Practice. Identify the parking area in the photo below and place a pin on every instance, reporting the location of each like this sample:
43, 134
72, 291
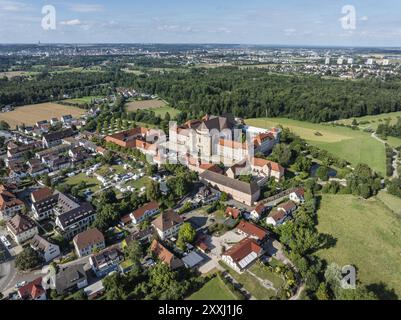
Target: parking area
198, 219
217, 246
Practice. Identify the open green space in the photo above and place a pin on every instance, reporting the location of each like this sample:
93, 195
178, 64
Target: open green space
83, 100
352, 145
373, 121
368, 236
92, 183
392, 202
215, 289
250, 283
163, 110
263, 272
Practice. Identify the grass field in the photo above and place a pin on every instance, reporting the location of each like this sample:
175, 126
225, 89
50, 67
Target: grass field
368, 236
12, 74
145, 104
83, 100
163, 110
31, 114
351, 145
392, 202
374, 121
215, 289
250, 283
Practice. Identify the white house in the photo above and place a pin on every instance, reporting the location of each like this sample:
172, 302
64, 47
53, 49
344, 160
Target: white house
167, 224
242, 255
47, 250
22, 228
144, 212
257, 213
298, 196
87, 242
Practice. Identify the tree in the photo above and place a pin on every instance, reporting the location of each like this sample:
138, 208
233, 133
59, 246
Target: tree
47, 181
106, 216
114, 286
134, 251
27, 259
186, 234
152, 190
80, 295
323, 173
359, 293
4, 125
322, 292
282, 154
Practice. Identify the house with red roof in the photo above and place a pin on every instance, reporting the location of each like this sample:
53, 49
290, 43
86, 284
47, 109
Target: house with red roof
233, 212
252, 231
144, 212
165, 255
33, 291
297, 196
281, 213
242, 255
10, 205
22, 228
257, 213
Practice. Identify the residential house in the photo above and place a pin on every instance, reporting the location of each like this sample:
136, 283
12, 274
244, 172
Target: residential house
247, 193
34, 290
167, 224
53, 139
78, 154
252, 231
22, 228
257, 213
297, 196
87, 242
70, 279
165, 255
10, 205
47, 251
129, 138
107, 261
233, 212
67, 120
242, 255
146, 211
266, 168
280, 214
143, 236
36, 168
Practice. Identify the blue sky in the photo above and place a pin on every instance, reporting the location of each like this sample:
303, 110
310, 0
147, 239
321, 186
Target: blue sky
292, 22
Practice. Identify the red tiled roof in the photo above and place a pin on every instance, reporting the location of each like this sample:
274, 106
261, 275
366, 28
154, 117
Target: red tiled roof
233, 212
162, 252
32, 290
252, 230
41, 194
243, 249
300, 192
288, 206
259, 208
274, 166
147, 207
232, 144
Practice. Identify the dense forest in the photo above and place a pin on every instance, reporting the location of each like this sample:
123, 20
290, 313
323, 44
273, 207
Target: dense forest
255, 93
47, 87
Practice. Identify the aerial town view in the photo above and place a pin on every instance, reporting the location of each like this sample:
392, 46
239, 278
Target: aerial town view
191, 151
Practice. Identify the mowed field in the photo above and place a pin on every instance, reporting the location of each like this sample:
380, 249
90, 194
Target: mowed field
351, 145
145, 104
215, 289
368, 236
31, 114
373, 121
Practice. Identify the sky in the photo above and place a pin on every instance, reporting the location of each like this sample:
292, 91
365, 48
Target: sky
274, 22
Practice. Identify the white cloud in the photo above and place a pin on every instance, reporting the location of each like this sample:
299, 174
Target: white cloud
86, 8
11, 5
74, 22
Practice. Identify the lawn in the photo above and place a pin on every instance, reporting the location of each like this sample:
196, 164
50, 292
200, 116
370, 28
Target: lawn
263, 272
163, 110
351, 145
92, 183
374, 121
215, 289
30, 114
145, 104
368, 235
251, 284
392, 202
83, 100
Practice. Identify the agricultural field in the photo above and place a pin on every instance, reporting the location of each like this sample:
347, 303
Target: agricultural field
368, 236
12, 74
352, 145
145, 104
392, 202
30, 114
215, 289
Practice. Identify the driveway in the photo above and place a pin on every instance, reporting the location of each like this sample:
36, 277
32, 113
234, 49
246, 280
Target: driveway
216, 245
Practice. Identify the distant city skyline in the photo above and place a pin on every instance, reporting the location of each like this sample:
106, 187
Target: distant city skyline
258, 22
